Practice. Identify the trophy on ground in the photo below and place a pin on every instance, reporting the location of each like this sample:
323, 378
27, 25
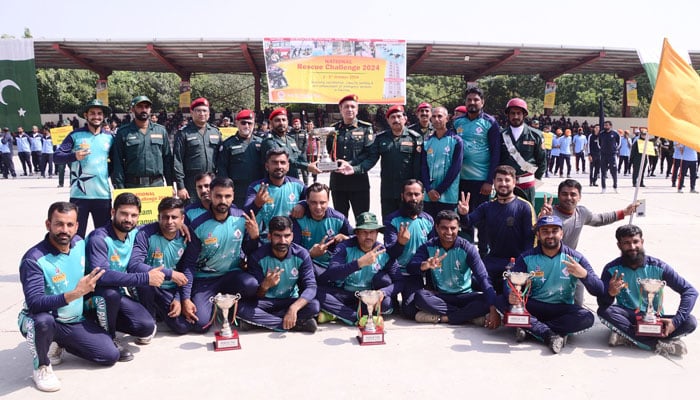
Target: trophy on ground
650, 324
325, 163
226, 338
371, 333
518, 316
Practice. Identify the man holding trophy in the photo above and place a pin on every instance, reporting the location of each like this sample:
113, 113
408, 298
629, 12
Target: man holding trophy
555, 270
633, 285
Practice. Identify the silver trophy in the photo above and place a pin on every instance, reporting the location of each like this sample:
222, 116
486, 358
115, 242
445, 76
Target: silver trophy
224, 302
325, 163
518, 315
370, 298
651, 286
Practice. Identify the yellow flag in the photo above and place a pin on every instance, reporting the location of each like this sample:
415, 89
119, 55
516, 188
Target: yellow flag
674, 112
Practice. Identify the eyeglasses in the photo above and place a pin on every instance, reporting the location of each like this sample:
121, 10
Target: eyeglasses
246, 122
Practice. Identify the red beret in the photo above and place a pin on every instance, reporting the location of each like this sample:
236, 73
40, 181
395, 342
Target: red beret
352, 97
423, 105
462, 109
394, 109
245, 114
278, 111
296, 120
201, 101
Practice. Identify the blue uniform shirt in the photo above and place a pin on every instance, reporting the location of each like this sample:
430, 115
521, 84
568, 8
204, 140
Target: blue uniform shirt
420, 228
440, 166
283, 200
106, 251
155, 250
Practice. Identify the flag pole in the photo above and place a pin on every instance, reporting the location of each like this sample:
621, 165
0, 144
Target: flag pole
641, 173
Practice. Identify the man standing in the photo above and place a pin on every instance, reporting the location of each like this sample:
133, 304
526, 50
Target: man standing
300, 137
47, 149
359, 263
621, 303
548, 137
276, 194
555, 269
213, 260
279, 138
53, 281
441, 165
609, 143
352, 144
321, 227
594, 155
239, 157
481, 139
509, 220
286, 290
636, 155
24, 151
87, 151
580, 142
451, 263
35, 141
522, 149
424, 126
141, 154
109, 248
160, 244
689, 163
196, 149
8, 166
311, 147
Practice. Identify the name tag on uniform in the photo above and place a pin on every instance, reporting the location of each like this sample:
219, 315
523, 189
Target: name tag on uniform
236, 147
191, 138
409, 143
155, 136
213, 137
529, 142
130, 137
58, 278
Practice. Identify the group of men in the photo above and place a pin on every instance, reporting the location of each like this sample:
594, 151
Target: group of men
34, 149
294, 260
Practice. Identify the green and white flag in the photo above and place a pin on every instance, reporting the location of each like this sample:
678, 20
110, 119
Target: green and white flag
19, 103
650, 57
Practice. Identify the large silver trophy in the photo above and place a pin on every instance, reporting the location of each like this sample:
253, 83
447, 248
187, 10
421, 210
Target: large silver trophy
325, 163
370, 333
226, 338
650, 324
518, 315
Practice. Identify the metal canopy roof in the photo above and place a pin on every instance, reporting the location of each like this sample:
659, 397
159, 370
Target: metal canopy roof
185, 57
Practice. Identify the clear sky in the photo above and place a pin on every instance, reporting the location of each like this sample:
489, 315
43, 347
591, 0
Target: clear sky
591, 23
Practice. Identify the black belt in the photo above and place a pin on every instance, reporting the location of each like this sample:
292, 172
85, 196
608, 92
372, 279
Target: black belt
143, 180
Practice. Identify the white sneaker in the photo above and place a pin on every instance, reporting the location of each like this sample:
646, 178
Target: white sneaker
520, 335
45, 380
55, 353
615, 339
427, 318
673, 347
602, 190
556, 343
147, 340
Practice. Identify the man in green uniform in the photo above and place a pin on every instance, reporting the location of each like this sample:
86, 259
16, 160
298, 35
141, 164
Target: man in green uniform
351, 145
278, 137
423, 126
141, 152
299, 136
196, 149
239, 157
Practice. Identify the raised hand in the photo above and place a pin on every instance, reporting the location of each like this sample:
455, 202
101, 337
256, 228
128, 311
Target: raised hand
463, 203
251, 225
371, 256
404, 235
262, 197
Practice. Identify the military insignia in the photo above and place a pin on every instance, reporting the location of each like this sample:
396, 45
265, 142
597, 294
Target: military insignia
479, 129
370, 137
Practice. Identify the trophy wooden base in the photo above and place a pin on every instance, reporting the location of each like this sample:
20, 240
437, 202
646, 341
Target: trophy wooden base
649, 328
371, 338
222, 343
517, 320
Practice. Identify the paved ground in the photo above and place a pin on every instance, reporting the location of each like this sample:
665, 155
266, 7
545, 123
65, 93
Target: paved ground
417, 361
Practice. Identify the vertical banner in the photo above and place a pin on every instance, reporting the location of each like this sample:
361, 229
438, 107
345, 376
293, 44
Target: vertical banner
550, 92
631, 87
185, 94
19, 102
321, 71
102, 92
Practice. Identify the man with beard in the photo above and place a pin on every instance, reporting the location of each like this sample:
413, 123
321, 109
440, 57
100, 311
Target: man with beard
621, 305
451, 298
482, 152
196, 149
406, 230
508, 220
441, 163
213, 261
239, 156
321, 227
594, 155
141, 155
555, 269
278, 138
523, 149
201, 182
87, 151
300, 136
574, 217
286, 290
276, 194
609, 142
399, 149
109, 248
53, 280
359, 263
35, 142
424, 125
160, 244
351, 145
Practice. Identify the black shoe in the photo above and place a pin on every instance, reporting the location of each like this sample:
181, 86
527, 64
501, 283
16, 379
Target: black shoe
124, 353
243, 326
308, 325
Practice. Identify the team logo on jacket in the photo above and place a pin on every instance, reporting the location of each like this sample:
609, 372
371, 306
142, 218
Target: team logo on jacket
237, 234
210, 240
292, 197
510, 221
295, 271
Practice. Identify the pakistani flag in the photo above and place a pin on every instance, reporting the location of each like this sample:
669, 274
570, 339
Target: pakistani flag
19, 103
650, 62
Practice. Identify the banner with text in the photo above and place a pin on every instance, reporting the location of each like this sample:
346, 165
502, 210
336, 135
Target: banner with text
631, 87
60, 133
322, 71
550, 93
150, 197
